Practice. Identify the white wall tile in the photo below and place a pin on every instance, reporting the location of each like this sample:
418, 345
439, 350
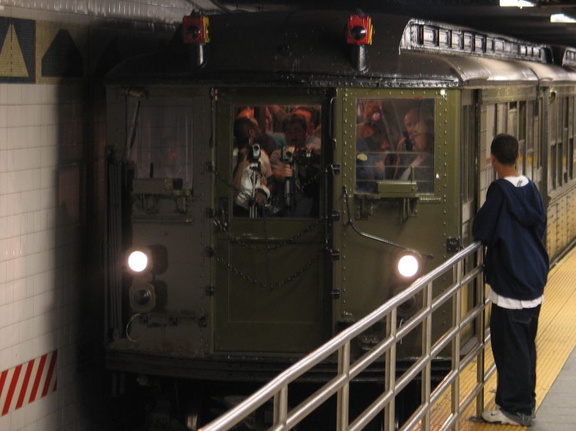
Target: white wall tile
3, 138
4, 314
6, 423
23, 351
46, 339
12, 95
44, 303
3, 116
19, 297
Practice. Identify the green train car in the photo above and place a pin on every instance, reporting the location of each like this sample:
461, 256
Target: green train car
284, 174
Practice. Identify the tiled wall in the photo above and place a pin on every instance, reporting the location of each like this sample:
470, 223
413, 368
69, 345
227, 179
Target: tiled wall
51, 206
39, 240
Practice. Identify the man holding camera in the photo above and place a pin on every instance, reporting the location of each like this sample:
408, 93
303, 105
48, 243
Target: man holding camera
252, 172
296, 170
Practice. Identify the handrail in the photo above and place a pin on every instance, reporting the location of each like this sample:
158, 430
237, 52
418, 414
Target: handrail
340, 345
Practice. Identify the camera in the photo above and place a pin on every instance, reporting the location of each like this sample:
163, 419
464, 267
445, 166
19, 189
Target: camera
306, 157
287, 156
254, 153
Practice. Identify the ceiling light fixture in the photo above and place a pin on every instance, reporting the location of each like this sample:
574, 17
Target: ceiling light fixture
516, 3
561, 18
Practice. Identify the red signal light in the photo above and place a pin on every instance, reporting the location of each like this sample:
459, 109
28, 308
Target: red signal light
195, 29
359, 30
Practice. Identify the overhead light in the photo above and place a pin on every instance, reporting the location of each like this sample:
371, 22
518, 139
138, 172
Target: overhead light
517, 3
560, 17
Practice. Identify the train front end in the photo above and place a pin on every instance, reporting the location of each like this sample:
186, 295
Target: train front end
260, 201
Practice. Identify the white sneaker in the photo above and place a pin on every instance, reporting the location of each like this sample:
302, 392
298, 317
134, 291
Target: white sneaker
498, 417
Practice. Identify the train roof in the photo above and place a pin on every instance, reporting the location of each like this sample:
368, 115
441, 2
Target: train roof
310, 48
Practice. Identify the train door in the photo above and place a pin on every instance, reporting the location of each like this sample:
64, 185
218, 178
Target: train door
273, 284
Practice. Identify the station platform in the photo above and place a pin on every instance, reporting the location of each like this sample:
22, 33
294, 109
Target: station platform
556, 367
558, 409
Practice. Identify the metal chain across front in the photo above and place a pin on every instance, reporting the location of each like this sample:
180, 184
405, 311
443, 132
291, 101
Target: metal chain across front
223, 180
269, 284
286, 241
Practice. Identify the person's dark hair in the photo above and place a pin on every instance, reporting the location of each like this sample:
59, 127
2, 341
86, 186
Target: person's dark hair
295, 119
242, 127
505, 148
314, 113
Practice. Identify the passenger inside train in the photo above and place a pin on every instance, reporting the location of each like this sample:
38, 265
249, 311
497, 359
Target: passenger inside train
419, 165
294, 153
407, 122
296, 169
252, 173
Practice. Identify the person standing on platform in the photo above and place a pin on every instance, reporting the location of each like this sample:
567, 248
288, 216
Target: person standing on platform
511, 224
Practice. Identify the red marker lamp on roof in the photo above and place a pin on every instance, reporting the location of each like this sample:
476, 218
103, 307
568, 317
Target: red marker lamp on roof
195, 33
358, 36
195, 29
359, 30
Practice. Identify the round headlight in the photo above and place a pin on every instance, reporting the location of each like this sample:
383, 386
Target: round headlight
151, 258
408, 265
137, 261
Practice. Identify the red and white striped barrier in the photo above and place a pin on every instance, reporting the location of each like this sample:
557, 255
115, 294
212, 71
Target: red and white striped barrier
28, 382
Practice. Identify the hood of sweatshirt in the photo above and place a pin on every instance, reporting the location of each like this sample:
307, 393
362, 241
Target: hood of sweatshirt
524, 202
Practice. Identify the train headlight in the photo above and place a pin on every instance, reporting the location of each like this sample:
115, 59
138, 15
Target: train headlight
409, 264
153, 258
138, 261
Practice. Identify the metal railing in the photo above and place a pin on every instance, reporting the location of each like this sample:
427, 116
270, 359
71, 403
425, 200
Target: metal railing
468, 322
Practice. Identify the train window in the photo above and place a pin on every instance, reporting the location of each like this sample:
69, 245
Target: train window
538, 144
160, 135
501, 115
565, 138
513, 127
560, 163
571, 132
522, 112
394, 142
571, 158
277, 160
553, 166
528, 119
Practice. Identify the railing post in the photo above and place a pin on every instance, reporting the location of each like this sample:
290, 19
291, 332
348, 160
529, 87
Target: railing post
456, 319
343, 397
481, 331
281, 406
427, 352
390, 370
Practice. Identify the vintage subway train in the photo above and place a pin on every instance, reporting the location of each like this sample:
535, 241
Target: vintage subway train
266, 235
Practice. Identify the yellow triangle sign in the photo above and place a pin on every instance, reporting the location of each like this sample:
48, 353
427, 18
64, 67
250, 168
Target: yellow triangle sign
11, 59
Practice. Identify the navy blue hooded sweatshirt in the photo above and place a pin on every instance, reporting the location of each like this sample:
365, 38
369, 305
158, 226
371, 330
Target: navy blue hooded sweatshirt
512, 223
